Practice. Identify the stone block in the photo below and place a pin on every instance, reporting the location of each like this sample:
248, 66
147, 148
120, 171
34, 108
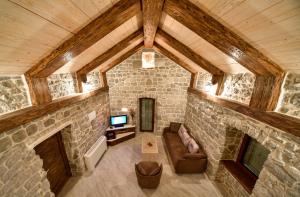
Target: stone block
49, 122
5, 143
19, 136
31, 129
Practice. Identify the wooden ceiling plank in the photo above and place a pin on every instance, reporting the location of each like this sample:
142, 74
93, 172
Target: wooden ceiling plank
152, 11
122, 58
221, 37
189, 53
111, 52
173, 57
86, 37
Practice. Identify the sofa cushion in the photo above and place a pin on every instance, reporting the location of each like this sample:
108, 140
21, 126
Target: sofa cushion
181, 130
148, 168
175, 146
193, 147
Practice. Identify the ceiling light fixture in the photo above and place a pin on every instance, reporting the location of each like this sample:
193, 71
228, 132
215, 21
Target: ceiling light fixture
148, 60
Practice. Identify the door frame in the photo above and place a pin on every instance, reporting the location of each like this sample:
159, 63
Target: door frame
140, 114
62, 151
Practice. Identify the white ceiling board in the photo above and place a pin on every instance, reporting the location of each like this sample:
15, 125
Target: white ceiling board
25, 38
200, 46
271, 26
62, 13
134, 44
189, 62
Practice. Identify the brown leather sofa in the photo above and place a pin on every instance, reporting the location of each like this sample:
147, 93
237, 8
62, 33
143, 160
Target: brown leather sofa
183, 161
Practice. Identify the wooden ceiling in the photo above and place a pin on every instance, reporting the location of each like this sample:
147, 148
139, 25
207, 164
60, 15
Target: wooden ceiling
30, 30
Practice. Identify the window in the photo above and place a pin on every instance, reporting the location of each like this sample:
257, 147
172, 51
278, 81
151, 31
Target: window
252, 155
251, 158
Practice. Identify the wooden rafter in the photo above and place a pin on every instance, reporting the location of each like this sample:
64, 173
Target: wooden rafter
120, 59
86, 37
267, 72
173, 57
221, 37
152, 10
111, 52
189, 53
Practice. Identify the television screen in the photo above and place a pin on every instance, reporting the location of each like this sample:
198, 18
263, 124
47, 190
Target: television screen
118, 120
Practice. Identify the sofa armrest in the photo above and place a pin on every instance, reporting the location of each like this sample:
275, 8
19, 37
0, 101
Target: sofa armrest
166, 129
174, 126
194, 156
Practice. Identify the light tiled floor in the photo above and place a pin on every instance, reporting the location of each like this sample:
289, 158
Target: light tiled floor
115, 176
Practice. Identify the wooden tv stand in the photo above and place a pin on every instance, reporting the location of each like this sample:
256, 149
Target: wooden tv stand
122, 134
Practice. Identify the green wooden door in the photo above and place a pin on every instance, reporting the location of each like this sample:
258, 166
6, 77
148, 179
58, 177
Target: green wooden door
147, 106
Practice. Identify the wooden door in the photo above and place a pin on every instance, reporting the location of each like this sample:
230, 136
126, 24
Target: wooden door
147, 106
55, 161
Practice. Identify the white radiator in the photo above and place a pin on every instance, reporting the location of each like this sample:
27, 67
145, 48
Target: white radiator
93, 155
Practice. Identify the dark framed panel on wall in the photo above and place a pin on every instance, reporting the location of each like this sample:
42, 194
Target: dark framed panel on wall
147, 111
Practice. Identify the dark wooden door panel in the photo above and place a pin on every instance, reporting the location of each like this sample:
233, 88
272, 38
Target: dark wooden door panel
147, 106
55, 161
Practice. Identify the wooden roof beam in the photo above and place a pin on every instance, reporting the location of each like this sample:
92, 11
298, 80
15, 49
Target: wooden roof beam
86, 37
221, 37
120, 59
269, 75
152, 10
173, 57
189, 53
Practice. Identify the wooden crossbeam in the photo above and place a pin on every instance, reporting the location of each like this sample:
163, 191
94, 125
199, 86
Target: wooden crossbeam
221, 37
38, 90
280, 121
111, 52
173, 57
152, 10
120, 59
23, 116
189, 53
86, 37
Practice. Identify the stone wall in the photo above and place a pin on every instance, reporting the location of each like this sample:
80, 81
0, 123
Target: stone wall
212, 125
21, 170
167, 83
239, 87
62, 84
289, 103
13, 94
204, 83
93, 82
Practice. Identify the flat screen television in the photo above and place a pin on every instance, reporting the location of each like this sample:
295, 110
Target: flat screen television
118, 121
